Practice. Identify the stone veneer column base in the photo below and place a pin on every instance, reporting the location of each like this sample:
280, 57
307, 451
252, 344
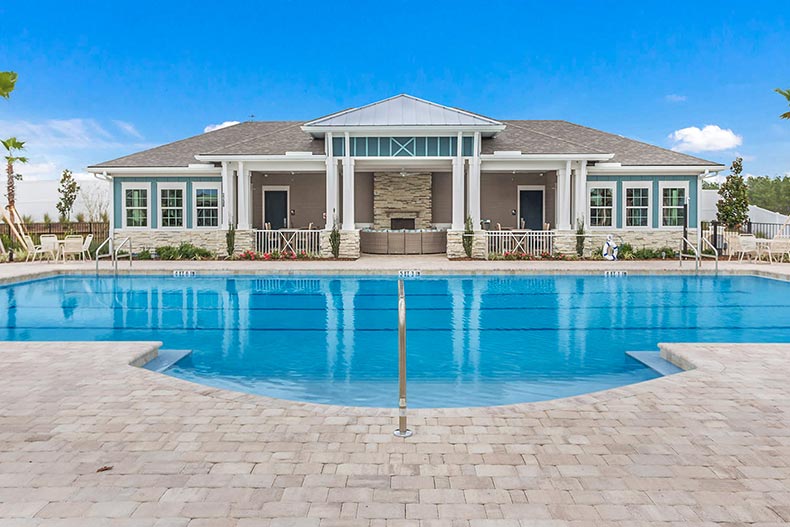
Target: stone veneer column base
212, 239
349, 245
455, 245
565, 241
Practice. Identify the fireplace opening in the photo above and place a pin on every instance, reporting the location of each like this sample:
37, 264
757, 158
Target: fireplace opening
401, 223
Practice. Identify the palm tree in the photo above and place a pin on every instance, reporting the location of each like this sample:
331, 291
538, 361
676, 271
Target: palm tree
786, 95
12, 146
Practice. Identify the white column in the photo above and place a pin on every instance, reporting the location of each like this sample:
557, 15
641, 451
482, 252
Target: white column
348, 194
581, 192
458, 194
225, 196
331, 183
244, 197
474, 181
563, 192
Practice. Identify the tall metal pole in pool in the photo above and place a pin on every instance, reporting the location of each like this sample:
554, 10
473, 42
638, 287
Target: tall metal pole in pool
402, 430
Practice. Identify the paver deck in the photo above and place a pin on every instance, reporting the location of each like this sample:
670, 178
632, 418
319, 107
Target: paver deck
710, 446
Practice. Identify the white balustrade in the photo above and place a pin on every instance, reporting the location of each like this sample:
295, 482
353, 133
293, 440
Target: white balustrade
533, 243
288, 240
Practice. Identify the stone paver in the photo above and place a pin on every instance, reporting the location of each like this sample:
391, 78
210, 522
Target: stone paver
710, 446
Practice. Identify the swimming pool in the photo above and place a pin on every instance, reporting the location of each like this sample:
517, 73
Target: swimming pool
472, 341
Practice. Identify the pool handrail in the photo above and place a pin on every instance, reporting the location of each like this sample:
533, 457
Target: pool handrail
110, 254
715, 254
126, 240
681, 254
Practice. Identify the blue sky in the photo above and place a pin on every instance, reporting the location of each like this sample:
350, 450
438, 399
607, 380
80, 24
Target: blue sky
102, 79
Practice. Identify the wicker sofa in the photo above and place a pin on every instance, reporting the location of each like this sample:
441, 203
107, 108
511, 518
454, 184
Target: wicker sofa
403, 242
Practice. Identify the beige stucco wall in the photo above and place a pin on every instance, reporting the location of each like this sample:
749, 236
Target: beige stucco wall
442, 190
307, 194
363, 197
499, 195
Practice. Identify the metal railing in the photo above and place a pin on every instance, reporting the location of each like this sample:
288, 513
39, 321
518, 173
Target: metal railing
715, 254
125, 241
288, 240
113, 252
684, 244
402, 430
533, 243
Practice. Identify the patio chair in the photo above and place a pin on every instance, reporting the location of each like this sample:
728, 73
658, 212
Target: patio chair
780, 246
34, 250
86, 248
72, 246
746, 246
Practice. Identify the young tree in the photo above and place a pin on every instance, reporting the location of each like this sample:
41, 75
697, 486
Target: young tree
13, 146
68, 191
733, 207
786, 95
96, 201
7, 82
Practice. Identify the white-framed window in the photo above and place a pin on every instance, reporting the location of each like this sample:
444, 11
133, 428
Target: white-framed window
136, 205
206, 204
673, 196
601, 199
637, 208
172, 205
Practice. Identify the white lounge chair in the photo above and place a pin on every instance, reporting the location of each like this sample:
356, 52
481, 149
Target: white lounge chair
746, 246
780, 246
86, 248
49, 249
72, 246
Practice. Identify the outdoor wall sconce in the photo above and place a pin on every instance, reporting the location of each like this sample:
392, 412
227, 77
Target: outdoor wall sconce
293, 212
513, 212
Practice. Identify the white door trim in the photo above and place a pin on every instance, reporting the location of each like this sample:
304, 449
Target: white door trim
280, 188
542, 189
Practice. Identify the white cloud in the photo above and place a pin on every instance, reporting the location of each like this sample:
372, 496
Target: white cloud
710, 138
63, 133
54, 144
128, 128
674, 97
36, 171
212, 127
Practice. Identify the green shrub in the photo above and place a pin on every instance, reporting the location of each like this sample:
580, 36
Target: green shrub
334, 241
185, 251
580, 238
468, 238
230, 240
145, 254
625, 252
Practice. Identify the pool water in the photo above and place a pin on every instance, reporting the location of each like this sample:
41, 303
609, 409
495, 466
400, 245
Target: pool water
472, 341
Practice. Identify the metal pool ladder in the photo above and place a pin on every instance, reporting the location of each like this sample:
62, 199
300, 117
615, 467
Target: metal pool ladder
113, 252
402, 430
697, 254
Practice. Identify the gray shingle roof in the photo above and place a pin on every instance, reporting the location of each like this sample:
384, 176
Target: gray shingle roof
535, 137
183, 152
626, 151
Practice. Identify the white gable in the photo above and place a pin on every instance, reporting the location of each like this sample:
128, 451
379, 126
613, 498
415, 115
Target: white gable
403, 111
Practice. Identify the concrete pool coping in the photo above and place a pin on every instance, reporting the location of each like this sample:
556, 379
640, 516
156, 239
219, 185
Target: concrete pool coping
703, 447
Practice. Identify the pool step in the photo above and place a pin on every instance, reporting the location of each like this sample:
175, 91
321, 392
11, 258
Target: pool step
165, 359
654, 361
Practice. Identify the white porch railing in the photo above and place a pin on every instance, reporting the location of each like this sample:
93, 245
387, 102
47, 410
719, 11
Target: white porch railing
533, 243
288, 240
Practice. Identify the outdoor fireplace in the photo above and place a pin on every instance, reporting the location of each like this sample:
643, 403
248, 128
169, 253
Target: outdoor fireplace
401, 223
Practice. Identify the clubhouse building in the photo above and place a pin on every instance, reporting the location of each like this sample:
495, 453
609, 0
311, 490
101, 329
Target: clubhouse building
405, 176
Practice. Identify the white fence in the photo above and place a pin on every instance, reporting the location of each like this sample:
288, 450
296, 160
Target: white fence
528, 242
288, 240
